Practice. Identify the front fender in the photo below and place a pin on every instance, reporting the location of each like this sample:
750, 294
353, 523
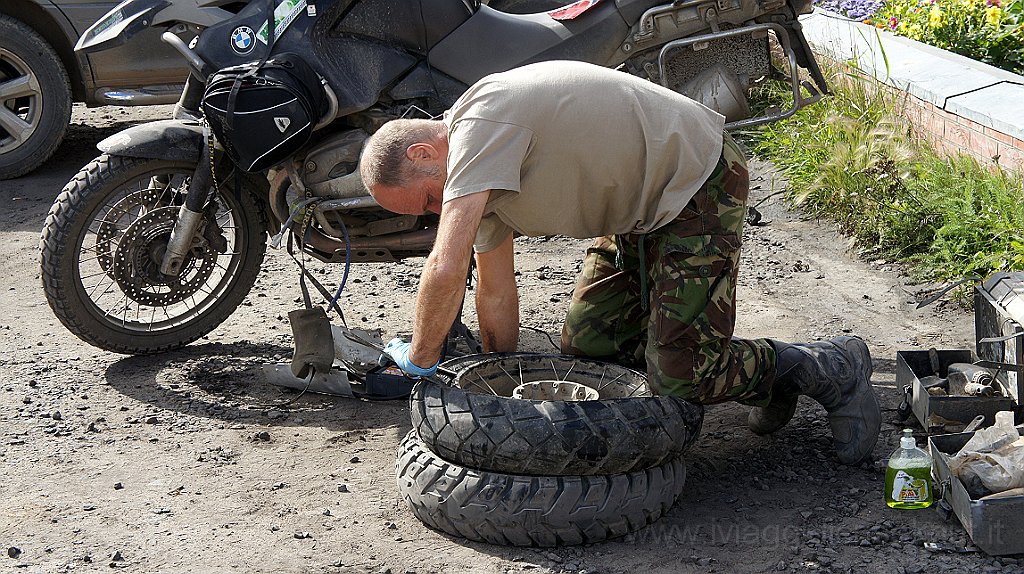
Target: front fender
164, 139
119, 25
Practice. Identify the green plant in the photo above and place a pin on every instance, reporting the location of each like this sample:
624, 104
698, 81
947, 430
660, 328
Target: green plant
982, 223
990, 31
854, 159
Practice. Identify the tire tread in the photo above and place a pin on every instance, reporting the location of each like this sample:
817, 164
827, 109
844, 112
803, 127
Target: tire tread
496, 508
610, 436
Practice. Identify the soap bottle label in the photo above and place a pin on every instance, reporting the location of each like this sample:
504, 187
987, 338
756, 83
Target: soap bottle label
906, 488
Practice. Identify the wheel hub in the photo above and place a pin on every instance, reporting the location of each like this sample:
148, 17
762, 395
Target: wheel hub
136, 262
21, 97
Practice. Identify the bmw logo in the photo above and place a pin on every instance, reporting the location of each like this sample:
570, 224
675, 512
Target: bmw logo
243, 39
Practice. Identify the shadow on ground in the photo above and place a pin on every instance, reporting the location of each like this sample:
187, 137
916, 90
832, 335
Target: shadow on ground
223, 382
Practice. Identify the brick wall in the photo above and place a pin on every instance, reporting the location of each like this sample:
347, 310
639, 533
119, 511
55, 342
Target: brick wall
952, 134
949, 133
909, 63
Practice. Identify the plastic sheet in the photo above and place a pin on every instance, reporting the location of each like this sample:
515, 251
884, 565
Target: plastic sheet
992, 461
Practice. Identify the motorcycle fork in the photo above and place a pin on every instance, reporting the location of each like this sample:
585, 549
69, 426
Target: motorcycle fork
190, 218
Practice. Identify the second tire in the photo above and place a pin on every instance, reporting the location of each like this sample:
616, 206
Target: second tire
532, 510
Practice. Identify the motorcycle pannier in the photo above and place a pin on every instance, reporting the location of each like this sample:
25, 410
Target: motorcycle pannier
262, 114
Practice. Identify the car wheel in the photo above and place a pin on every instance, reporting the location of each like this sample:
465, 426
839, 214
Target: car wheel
35, 99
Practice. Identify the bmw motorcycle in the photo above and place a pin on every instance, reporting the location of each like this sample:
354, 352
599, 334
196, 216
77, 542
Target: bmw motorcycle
159, 239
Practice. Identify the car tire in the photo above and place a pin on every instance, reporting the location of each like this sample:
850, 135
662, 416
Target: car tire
44, 99
524, 510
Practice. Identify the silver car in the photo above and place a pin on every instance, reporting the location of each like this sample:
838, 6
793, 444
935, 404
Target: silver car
41, 75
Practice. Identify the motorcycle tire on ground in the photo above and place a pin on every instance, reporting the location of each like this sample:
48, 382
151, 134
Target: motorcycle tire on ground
554, 438
127, 235
524, 510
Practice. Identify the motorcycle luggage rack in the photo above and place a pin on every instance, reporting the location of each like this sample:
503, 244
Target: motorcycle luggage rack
799, 100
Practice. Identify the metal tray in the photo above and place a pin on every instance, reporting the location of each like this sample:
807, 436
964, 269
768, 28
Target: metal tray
996, 526
943, 414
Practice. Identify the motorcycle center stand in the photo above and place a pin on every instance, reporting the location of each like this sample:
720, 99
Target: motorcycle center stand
340, 361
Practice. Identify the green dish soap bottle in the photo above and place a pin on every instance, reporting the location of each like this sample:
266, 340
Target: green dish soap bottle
908, 479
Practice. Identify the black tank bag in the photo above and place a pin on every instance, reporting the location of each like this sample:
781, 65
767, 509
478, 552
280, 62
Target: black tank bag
262, 112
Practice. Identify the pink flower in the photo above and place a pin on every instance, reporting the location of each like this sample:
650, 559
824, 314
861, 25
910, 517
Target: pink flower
995, 3
893, 22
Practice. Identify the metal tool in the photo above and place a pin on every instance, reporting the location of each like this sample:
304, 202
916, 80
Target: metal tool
975, 381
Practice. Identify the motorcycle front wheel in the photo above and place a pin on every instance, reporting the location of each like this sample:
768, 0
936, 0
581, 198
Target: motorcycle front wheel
106, 235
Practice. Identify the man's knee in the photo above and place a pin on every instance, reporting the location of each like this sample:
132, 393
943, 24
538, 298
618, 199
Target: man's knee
686, 366
587, 333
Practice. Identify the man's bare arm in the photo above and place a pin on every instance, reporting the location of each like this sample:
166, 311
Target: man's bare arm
497, 300
443, 283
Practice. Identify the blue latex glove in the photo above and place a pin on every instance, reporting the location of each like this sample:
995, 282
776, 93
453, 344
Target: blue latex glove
398, 350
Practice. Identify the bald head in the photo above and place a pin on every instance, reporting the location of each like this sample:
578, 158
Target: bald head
394, 157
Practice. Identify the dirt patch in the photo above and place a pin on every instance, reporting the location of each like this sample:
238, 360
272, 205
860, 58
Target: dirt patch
183, 462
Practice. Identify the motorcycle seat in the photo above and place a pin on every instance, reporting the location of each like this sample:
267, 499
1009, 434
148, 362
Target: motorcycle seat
492, 41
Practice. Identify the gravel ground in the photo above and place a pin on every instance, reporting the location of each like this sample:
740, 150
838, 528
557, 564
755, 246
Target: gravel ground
182, 462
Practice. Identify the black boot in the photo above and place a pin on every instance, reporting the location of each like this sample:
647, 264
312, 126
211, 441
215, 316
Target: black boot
768, 419
837, 374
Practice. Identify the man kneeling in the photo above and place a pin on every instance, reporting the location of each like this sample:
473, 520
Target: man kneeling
566, 148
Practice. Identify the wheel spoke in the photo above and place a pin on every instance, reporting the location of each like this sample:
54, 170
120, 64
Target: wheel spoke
17, 88
112, 224
571, 367
16, 127
495, 393
610, 382
115, 305
634, 391
96, 287
94, 258
84, 277
506, 373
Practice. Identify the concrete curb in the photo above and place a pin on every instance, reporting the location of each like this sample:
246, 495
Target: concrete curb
964, 106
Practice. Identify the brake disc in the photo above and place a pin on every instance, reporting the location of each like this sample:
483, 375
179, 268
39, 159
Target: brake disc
109, 230
136, 262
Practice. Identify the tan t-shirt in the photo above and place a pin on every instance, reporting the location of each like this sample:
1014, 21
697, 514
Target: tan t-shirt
579, 150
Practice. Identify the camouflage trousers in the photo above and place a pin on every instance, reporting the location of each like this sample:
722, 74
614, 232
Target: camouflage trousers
682, 336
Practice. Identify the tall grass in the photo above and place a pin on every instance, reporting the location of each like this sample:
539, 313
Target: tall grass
853, 158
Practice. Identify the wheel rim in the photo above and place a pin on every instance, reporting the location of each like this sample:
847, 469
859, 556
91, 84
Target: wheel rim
502, 376
120, 251
21, 101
